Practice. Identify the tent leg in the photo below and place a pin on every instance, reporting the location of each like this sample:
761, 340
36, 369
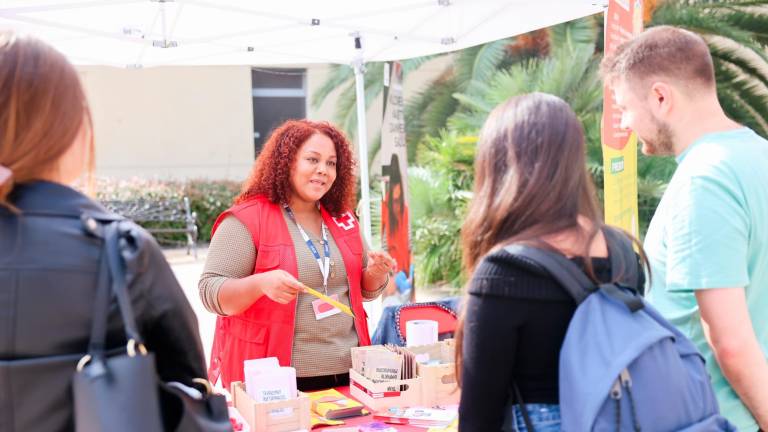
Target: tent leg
372, 308
362, 146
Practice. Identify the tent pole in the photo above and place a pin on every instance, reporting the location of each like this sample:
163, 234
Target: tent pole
362, 140
372, 308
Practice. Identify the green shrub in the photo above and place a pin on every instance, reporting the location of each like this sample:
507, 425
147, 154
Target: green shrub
208, 198
439, 191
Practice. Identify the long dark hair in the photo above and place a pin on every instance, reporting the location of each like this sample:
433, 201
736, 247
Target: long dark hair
395, 178
531, 181
531, 178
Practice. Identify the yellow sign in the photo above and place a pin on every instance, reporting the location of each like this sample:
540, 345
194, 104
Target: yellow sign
623, 19
620, 174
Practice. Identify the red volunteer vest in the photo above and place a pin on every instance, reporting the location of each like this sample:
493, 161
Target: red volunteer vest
266, 328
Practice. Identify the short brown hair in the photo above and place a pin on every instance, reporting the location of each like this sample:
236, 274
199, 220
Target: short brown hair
662, 51
42, 107
271, 175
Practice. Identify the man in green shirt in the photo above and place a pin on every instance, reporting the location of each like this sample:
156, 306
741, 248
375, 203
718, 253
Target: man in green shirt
708, 241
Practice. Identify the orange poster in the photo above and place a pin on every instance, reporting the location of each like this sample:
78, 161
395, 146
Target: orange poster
395, 227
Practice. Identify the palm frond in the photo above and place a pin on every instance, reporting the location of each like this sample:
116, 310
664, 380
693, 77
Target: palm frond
753, 20
346, 105
706, 23
564, 70
735, 58
569, 72
413, 64
343, 76
338, 75
756, 105
414, 125
373, 148
442, 106
518, 79
480, 62
743, 98
709, 4
733, 106
577, 32
346, 114
473, 102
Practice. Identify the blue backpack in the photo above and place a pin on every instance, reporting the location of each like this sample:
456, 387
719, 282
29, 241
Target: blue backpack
623, 367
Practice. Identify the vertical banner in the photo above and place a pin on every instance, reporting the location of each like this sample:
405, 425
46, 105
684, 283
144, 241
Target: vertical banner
623, 19
395, 227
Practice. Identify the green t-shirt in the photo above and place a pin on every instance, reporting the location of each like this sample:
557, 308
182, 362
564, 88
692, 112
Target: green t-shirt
711, 231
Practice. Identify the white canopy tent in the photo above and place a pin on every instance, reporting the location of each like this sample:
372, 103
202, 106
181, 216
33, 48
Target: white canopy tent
143, 33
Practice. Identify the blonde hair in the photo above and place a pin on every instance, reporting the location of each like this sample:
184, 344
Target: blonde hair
42, 108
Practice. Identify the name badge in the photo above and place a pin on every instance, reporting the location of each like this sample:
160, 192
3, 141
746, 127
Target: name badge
323, 309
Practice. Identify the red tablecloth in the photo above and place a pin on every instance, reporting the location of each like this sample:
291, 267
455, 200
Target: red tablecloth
356, 421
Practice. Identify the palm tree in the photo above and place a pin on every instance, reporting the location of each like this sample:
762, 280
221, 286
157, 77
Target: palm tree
441, 183
737, 34
436, 100
439, 190
343, 76
568, 72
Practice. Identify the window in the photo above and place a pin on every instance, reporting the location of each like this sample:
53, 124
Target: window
278, 95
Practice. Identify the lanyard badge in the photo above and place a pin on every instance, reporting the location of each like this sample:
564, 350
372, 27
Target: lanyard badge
325, 263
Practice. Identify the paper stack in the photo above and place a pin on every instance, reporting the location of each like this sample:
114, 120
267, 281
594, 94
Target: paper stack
416, 416
333, 405
267, 381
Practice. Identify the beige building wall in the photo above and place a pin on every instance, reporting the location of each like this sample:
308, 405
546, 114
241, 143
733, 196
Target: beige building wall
171, 122
195, 122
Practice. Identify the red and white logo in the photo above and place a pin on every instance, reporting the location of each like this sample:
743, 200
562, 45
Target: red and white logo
346, 221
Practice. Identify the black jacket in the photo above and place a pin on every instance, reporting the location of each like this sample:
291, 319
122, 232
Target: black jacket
48, 279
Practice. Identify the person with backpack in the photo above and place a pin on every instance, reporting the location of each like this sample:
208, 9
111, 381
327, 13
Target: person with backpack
708, 240
555, 334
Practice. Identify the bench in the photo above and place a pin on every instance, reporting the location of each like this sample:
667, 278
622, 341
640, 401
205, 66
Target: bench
166, 216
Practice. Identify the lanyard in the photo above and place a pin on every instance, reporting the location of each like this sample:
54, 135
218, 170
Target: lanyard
325, 263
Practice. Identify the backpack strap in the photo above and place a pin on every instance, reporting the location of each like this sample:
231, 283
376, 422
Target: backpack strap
623, 261
517, 398
624, 270
566, 273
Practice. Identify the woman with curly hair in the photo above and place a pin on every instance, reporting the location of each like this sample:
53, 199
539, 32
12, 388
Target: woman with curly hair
291, 226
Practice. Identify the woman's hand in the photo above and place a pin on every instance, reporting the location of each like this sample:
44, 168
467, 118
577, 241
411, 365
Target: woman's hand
380, 263
280, 286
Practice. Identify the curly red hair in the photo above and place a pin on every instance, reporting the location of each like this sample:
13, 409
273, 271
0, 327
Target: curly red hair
271, 174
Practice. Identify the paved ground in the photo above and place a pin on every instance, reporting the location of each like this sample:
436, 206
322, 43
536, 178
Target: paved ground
188, 270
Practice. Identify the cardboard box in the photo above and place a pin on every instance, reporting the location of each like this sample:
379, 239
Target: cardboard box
271, 416
438, 381
438, 384
378, 396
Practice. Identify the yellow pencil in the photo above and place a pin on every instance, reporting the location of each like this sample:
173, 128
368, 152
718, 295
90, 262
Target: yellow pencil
341, 306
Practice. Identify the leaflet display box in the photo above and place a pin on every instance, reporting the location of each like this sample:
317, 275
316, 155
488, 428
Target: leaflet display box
438, 381
378, 396
279, 416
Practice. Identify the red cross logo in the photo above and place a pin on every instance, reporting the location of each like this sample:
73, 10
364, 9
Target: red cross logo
346, 221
